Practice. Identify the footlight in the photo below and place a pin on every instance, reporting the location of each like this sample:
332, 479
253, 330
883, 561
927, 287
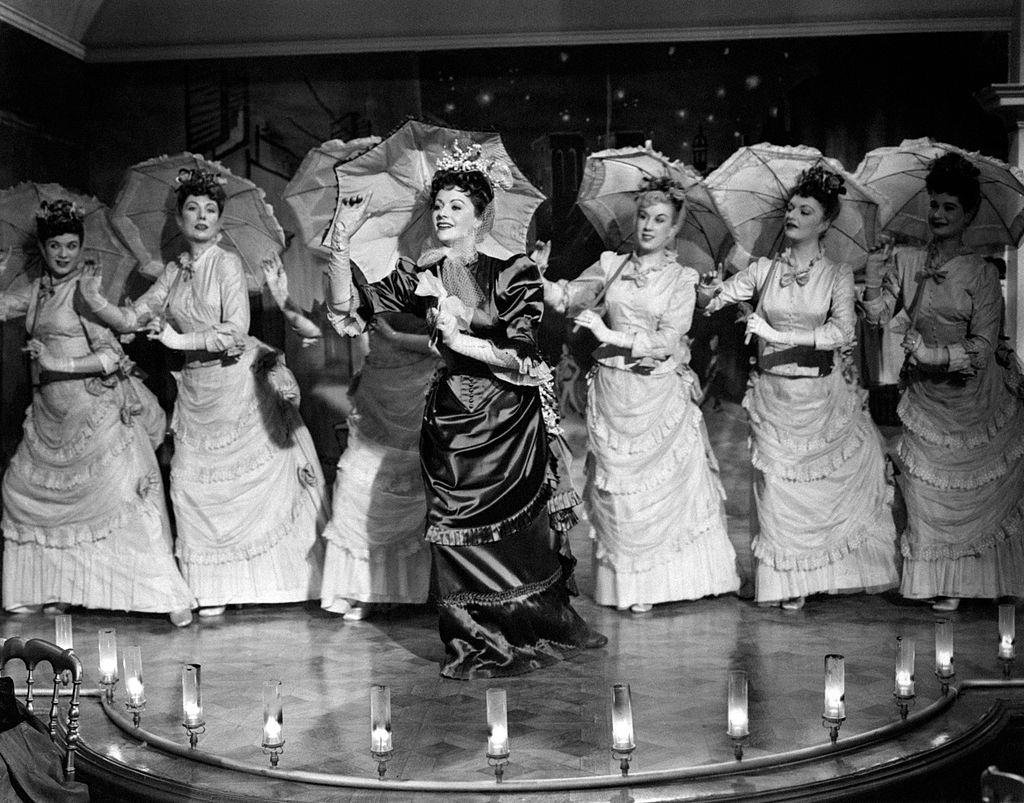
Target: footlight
903, 686
380, 727
497, 724
192, 702
623, 743
739, 721
273, 721
108, 661
944, 670
1007, 635
834, 713
131, 659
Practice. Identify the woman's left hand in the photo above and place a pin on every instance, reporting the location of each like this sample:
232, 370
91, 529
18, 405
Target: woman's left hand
167, 336
277, 279
37, 350
446, 324
913, 342
756, 325
589, 319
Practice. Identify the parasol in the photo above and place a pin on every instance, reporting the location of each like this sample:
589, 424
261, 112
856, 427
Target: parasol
898, 173
102, 243
398, 172
752, 187
608, 192
313, 191
147, 199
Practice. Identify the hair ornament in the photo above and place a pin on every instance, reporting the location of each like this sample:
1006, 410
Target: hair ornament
666, 184
471, 160
200, 182
59, 213
827, 181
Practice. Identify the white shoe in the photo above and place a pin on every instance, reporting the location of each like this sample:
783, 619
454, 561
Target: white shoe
357, 613
641, 607
212, 610
182, 618
339, 606
946, 604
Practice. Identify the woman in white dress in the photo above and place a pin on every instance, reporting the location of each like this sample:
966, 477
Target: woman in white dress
653, 493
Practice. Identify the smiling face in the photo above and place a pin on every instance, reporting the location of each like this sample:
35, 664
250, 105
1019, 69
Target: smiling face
947, 217
805, 219
199, 219
655, 228
454, 217
62, 253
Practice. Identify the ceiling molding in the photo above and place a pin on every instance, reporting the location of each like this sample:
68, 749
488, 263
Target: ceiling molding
553, 38
19, 19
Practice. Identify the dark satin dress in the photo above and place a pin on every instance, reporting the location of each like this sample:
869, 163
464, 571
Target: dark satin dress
488, 473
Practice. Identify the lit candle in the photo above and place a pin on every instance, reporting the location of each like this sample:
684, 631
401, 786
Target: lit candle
273, 714
191, 694
835, 687
131, 658
1007, 631
380, 719
497, 722
905, 658
62, 632
738, 724
943, 648
622, 718
108, 655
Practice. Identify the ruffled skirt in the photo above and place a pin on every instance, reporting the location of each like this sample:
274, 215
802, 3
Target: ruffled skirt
653, 493
824, 522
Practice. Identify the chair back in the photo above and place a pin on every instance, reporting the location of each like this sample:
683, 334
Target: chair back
1001, 787
67, 669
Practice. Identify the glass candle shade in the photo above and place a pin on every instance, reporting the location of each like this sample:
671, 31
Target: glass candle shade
380, 719
835, 687
944, 648
497, 723
273, 714
905, 655
131, 659
108, 655
1007, 631
622, 718
63, 637
738, 720
192, 695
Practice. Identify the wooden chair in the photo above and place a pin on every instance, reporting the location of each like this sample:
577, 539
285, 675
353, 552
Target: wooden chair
1001, 787
33, 652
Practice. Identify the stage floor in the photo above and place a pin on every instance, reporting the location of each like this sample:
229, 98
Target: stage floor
676, 660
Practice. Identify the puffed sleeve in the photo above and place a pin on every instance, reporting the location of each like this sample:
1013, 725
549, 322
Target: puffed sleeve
675, 323
14, 302
581, 293
519, 299
396, 292
741, 286
838, 329
973, 352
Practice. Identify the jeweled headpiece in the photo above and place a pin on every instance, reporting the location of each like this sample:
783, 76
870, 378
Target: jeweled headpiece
471, 160
61, 216
666, 184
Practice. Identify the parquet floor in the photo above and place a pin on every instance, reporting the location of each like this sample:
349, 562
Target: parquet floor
676, 660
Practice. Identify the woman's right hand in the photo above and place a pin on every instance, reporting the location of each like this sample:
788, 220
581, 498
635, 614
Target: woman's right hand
878, 259
277, 279
352, 212
708, 287
89, 286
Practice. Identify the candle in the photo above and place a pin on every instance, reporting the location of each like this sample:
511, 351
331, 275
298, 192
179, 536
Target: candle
135, 689
273, 714
380, 719
622, 718
738, 721
905, 658
131, 657
272, 732
191, 694
835, 687
943, 648
1007, 631
108, 655
497, 722
62, 632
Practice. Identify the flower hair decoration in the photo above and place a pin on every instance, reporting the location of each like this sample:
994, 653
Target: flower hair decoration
199, 181
61, 211
472, 160
666, 184
823, 179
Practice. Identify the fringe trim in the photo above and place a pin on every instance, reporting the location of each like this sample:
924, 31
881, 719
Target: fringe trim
804, 470
518, 594
489, 533
916, 420
782, 561
649, 479
562, 510
1013, 527
927, 471
69, 536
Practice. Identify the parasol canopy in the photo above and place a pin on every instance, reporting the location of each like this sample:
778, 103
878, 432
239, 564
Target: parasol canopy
313, 191
898, 175
608, 192
752, 187
147, 198
398, 172
103, 242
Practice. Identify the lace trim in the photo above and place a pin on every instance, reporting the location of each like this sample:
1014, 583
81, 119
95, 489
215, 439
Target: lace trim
767, 429
200, 438
917, 420
616, 483
37, 474
70, 451
489, 533
379, 555
783, 561
1012, 527
930, 472
518, 594
647, 442
801, 469
69, 536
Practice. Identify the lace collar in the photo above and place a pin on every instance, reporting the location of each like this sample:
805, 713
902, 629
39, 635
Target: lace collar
640, 273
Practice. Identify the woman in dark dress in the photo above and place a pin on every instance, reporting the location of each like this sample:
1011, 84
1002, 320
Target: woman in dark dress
487, 467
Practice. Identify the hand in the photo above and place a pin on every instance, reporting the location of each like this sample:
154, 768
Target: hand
165, 335
588, 319
541, 254
41, 354
352, 212
89, 286
878, 258
913, 342
277, 279
756, 325
454, 305
446, 325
